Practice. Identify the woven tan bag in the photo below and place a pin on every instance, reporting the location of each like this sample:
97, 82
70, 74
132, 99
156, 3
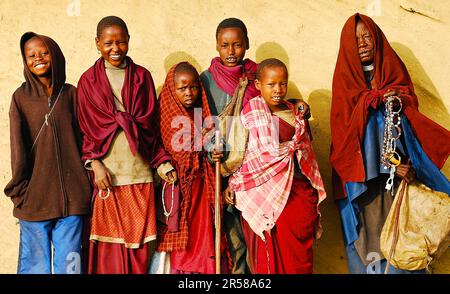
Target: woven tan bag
232, 128
417, 229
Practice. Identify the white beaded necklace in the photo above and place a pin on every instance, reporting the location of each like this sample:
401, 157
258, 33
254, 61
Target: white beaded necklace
167, 213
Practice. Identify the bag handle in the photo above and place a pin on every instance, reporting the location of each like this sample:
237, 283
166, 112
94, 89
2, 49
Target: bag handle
403, 186
230, 108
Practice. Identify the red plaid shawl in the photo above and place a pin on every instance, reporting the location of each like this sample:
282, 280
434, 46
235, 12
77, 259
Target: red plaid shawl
263, 183
188, 163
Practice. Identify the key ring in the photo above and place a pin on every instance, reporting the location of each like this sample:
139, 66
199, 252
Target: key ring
391, 99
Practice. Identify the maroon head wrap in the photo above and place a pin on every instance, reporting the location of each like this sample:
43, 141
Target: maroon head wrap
352, 99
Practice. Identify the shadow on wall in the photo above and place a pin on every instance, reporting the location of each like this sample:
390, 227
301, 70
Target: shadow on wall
330, 252
320, 104
175, 58
430, 102
274, 50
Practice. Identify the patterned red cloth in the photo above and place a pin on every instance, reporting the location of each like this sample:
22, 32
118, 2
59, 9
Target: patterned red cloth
289, 246
352, 99
227, 78
99, 118
198, 257
127, 216
189, 162
263, 183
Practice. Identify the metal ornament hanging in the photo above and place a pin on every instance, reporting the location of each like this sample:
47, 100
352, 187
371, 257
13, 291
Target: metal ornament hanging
392, 132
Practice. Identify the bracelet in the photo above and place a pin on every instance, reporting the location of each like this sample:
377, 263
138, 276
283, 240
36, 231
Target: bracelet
103, 197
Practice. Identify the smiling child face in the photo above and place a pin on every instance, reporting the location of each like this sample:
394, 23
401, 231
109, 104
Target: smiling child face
113, 44
38, 57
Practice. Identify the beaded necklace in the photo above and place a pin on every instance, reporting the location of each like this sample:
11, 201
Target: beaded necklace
167, 213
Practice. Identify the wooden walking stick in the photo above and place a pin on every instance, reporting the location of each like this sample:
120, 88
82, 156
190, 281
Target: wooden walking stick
217, 212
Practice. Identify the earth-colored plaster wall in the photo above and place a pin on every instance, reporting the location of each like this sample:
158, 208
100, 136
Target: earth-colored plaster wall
304, 34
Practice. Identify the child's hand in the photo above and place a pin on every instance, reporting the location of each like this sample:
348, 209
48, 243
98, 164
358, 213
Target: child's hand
304, 108
217, 155
102, 177
217, 152
172, 176
229, 196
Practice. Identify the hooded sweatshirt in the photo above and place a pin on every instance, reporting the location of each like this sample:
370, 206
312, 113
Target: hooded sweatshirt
49, 180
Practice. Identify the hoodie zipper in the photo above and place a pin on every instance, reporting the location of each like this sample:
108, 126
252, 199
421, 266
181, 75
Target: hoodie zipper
58, 163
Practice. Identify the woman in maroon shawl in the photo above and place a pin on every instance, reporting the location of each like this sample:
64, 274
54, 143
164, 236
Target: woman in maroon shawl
121, 142
367, 72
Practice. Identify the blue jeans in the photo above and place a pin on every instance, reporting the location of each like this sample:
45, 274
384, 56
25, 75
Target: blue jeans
35, 248
376, 266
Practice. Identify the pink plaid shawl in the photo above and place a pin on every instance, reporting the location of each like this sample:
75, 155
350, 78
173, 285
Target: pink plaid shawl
263, 183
